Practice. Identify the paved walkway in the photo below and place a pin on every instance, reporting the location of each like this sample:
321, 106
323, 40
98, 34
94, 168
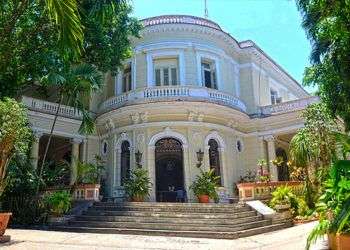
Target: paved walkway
288, 239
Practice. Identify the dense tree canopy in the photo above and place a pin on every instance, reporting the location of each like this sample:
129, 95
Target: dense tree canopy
31, 45
327, 24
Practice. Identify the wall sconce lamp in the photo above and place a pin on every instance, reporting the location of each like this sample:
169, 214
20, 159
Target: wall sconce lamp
138, 158
200, 156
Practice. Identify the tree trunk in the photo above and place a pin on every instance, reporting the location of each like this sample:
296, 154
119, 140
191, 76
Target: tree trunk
49, 141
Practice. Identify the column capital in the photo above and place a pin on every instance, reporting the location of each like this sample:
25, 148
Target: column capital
269, 138
37, 134
76, 140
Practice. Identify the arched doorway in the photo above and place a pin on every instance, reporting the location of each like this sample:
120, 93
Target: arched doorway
169, 169
282, 171
214, 158
124, 162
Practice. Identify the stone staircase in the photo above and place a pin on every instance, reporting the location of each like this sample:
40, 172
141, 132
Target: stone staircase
223, 221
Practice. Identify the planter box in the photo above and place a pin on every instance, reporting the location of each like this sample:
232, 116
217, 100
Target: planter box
339, 241
263, 190
88, 192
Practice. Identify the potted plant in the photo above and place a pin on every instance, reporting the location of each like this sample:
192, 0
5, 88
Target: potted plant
333, 208
204, 186
58, 203
15, 137
282, 198
137, 187
89, 179
262, 172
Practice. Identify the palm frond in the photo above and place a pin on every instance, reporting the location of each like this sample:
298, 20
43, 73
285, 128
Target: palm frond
318, 232
66, 16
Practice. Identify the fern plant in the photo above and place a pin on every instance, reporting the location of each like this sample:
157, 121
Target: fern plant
138, 185
205, 184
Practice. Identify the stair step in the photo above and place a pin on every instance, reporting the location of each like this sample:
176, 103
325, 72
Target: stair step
146, 219
170, 214
169, 204
177, 233
186, 209
172, 226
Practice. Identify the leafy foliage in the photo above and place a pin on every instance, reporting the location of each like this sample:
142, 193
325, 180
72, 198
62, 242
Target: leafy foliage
205, 184
58, 202
15, 134
313, 148
92, 32
90, 173
139, 184
327, 26
282, 196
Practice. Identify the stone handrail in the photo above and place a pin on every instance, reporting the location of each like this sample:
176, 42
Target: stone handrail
186, 19
289, 106
50, 107
173, 93
263, 190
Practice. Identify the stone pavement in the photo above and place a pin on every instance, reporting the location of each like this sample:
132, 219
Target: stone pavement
293, 238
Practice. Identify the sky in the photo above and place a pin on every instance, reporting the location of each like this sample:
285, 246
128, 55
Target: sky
274, 25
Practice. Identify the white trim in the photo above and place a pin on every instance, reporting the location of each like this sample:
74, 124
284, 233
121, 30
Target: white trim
59, 133
165, 53
168, 133
121, 138
215, 135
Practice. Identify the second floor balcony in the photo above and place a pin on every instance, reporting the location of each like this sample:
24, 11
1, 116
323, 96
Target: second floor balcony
173, 93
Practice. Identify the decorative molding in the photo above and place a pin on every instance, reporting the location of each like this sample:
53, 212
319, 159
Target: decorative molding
215, 135
269, 138
122, 137
168, 132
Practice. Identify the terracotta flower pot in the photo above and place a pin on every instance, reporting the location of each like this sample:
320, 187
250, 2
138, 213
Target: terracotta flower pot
137, 199
203, 198
339, 241
4, 219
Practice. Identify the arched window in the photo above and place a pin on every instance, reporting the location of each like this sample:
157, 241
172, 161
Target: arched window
125, 162
214, 159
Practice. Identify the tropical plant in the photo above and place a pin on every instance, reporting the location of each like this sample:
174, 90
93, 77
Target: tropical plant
205, 184
282, 196
327, 26
334, 205
313, 148
90, 173
58, 202
138, 185
15, 134
263, 174
37, 37
74, 86
250, 176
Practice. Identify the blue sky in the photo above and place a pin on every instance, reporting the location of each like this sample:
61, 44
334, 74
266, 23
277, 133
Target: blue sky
274, 25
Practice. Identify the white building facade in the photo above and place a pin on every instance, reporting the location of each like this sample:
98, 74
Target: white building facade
189, 87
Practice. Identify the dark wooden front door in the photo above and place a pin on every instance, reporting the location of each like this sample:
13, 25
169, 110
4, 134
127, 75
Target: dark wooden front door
169, 169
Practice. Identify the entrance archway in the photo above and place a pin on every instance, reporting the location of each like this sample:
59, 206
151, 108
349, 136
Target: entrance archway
169, 169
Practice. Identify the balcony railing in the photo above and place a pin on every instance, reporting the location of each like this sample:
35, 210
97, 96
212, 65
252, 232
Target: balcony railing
285, 107
185, 93
51, 108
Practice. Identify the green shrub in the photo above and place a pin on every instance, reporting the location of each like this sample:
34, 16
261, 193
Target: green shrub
90, 173
58, 202
205, 184
283, 196
139, 184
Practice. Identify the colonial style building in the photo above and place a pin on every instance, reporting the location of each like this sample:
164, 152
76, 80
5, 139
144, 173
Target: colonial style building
189, 87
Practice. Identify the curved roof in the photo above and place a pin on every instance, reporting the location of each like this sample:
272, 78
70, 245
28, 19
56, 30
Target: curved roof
187, 19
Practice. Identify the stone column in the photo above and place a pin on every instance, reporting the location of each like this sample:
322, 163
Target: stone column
206, 161
75, 158
223, 170
117, 167
34, 154
187, 171
271, 152
84, 151
151, 171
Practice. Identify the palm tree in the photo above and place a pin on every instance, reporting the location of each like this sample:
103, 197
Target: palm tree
302, 154
74, 85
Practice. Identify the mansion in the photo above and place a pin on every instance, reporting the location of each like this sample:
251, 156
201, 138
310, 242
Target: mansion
190, 89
